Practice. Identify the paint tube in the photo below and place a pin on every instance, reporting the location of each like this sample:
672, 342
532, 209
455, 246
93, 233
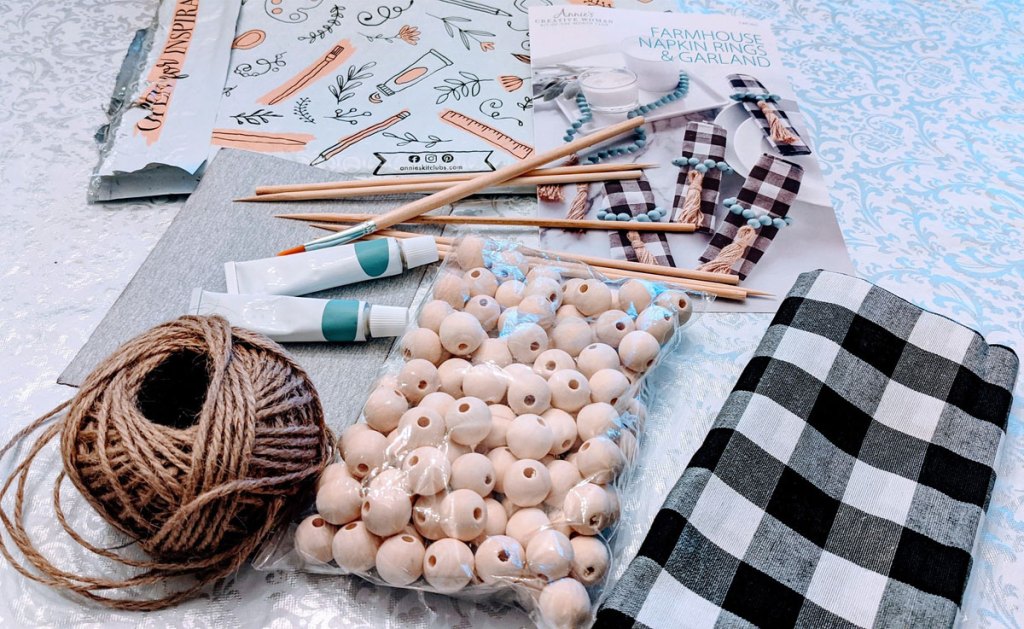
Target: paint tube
429, 63
303, 320
304, 273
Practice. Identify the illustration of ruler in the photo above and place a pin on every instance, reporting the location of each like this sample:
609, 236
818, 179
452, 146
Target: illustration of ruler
487, 133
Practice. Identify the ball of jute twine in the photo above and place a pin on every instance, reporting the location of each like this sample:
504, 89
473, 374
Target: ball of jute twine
194, 439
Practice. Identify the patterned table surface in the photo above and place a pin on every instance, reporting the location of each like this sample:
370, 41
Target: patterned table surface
916, 108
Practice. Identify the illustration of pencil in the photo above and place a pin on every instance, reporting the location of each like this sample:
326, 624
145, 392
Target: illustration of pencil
262, 141
346, 142
318, 69
478, 6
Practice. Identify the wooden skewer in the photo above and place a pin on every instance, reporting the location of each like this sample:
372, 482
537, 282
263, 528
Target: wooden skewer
463, 189
454, 177
559, 223
416, 186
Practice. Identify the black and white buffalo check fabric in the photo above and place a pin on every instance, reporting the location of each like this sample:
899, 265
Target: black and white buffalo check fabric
747, 83
703, 140
633, 196
772, 186
844, 480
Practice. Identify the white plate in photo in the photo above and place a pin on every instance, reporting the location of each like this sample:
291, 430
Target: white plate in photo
746, 142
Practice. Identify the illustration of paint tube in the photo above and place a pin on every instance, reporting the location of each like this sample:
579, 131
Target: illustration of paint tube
415, 72
303, 320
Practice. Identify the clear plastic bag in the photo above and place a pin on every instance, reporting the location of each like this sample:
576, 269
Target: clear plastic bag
488, 459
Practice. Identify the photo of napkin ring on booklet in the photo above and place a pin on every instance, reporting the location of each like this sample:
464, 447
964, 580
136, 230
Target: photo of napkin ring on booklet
755, 216
764, 107
634, 198
701, 165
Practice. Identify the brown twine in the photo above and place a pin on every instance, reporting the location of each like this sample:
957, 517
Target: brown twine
553, 191
690, 212
779, 131
580, 203
643, 255
732, 252
194, 439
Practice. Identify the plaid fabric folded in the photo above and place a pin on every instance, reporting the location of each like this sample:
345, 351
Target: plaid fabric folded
772, 185
703, 140
747, 83
633, 196
844, 481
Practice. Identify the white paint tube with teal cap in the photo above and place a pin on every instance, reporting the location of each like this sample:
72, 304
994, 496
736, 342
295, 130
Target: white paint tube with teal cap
303, 320
311, 271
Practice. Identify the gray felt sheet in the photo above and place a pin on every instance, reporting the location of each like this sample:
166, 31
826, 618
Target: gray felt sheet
210, 230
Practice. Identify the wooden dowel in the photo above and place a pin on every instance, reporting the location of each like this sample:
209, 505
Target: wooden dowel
556, 223
417, 187
412, 177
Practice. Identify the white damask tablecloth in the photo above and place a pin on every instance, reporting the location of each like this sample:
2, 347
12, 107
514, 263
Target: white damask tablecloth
917, 111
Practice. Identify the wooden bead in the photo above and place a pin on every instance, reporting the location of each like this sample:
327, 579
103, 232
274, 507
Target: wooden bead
677, 301
461, 333
451, 288
468, 421
509, 264
433, 313
463, 514
333, 472
567, 311
386, 510
525, 523
500, 559
571, 335
437, 401
587, 509
475, 472
527, 483
613, 504
536, 309
552, 360
564, 476
485, 381
494, 352
486, 310
508, 321
510, 293
400, 559
501, 458
355, 548
448, 565
426, 516
526, 342
417, 378
363, 451
454, 450
657, 321
550, 290
470, 251
420, 427
612, 326
499, 428
384, 408
450, 375
597, 419
564, 604
422, 343
529, 394
529, 437
480, 282
563, 428
558, 522
635, 296
570, 390
590, 559
339, 501
615, 297
313, 539
428, 471
547, 272
549, 555
592, 297
608, 385
638, 351
570, 291
600, 460
518, 370
497, 519
596, 357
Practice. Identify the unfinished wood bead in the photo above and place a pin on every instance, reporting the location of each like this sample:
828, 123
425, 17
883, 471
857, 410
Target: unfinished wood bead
400, 559
677, 301
497, 519
427, 470
638, 351
547, 272
590, 559
567, 311
451, 288
526, 342
386, 510
552, 360
470, 252
499, 428
426, 516
509, 264
339, 501
437, 401
527, 483
475, 472
564, 604
536, 309
529, 394
608, 385
494, 352
355, 548
587, 509
448, 565
529, 437
635, 296
331, 473
613, 503
485, 381
468, 421
500, 559
419, 427
422, 343
433, 313
592, 297
463, 515
571, 335
313, 539
461, 333
600, 460
549, 555
558, 522
564, 476
550, 290
563, 427
518, 370
657, 321
570, 291
480, 282
486, 310
595, 357
417, 378
508, 321
510, 293
570, 390
363, 451
525, 523
501, 458
450, 375
454, 450
612, 326
597, 419
384, 408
